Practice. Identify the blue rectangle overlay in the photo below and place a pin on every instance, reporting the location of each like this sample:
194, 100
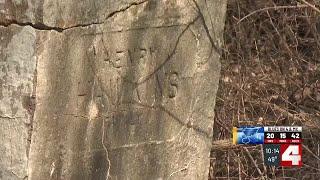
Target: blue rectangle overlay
248, 135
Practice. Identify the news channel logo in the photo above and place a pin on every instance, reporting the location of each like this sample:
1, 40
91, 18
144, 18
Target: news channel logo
248, 135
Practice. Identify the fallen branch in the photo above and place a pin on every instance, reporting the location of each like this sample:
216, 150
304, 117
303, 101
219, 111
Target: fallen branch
272, 8
311, 6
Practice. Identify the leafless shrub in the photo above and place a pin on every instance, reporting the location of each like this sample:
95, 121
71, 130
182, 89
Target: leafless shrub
270, 76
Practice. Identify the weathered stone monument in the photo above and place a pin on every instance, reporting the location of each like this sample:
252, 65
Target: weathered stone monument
108, 89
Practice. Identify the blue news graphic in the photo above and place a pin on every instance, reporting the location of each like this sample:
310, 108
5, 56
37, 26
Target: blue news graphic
248, 135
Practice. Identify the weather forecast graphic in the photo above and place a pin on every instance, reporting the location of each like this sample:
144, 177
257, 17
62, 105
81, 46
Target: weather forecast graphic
248, 135
281, 144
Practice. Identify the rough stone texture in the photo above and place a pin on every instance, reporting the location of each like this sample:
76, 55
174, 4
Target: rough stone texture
124, 89
17, 68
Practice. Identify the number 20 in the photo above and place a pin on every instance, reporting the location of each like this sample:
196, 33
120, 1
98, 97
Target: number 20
270, 135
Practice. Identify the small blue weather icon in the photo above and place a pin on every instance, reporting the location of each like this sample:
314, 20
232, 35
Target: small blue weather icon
248, 135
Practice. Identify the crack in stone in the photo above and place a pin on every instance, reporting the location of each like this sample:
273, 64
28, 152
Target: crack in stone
151, 142
37, 26
169, 56
9, 117
181, 169
218, 50
106, 150
110, 15
189, 124
180, 121
32, 112
143, 144
44, 27
12, 172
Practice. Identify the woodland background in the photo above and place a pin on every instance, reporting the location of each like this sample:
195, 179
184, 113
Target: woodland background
270, 76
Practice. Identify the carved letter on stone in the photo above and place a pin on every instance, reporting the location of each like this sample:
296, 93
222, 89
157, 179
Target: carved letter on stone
124, 90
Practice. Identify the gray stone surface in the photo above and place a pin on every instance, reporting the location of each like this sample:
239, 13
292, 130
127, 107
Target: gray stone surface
17, 68
124, 89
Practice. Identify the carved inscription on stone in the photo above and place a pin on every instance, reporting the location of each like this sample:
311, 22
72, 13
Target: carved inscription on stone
114, 90
173, 85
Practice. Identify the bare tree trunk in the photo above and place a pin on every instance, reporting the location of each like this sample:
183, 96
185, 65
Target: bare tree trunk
108, 89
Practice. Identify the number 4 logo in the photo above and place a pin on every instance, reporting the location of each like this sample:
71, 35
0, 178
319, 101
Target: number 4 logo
291, 155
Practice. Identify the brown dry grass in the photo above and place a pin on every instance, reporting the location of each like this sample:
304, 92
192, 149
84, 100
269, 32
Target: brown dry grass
270, 76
